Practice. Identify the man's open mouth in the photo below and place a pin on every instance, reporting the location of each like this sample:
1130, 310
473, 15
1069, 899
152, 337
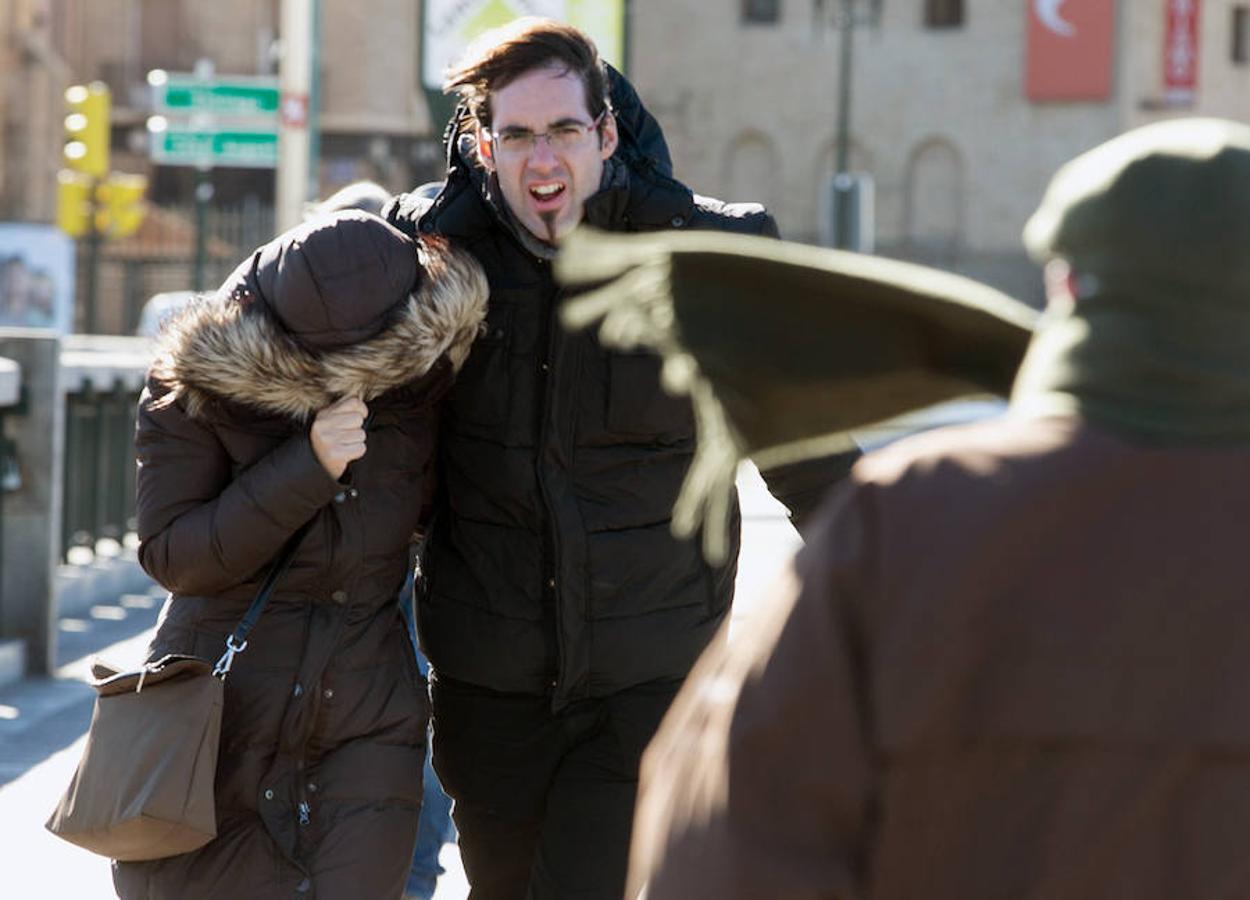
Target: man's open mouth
547, 194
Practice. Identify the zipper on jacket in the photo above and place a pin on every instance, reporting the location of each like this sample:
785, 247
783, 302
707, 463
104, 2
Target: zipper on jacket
303, 807
551, 546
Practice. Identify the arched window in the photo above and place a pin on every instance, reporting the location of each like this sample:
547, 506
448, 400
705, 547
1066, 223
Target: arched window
934, 201
751, 170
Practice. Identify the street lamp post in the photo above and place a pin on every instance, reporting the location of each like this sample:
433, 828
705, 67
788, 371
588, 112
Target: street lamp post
845, 16
845, 23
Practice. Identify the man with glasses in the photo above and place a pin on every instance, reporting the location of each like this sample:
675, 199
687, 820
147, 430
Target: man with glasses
558, 612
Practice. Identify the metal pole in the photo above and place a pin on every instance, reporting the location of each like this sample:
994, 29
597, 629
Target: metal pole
314, 105
93, 272
295, 80
203, 194
844, 85
93, 239
842, 227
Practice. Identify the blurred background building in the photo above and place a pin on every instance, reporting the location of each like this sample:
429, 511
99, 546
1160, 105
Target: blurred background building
942, 116
959, 110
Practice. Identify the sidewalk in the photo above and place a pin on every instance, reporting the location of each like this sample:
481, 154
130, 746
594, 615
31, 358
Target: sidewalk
42, 721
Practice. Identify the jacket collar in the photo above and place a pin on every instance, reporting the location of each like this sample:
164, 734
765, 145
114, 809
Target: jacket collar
634, 200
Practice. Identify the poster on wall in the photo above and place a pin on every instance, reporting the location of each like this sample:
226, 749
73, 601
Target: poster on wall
36, 277
1180, 51
1071, 50
450, 25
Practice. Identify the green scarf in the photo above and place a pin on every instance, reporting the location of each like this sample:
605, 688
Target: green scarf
784, 349
1156, 222
1156, 363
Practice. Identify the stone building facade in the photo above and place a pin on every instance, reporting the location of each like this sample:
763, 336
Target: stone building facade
746, 90
939, 118
33, 77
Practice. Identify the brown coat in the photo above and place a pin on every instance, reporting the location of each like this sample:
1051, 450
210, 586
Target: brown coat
318, 781
1013, 664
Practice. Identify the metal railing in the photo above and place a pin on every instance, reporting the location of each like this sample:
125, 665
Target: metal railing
102, 378
162, 256
10, 399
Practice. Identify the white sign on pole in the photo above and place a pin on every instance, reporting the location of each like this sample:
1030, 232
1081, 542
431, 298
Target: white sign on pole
450, 25
181, 144
205, 121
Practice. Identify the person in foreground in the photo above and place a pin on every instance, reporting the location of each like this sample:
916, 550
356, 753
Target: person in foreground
1009, 661
558, 611
302, 394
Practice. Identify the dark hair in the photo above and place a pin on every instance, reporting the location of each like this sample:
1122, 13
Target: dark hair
502, 55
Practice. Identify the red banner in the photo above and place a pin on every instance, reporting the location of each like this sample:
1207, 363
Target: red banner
1070, 49
1180, 50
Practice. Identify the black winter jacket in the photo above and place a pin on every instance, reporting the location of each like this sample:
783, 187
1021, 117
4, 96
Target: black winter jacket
549, 566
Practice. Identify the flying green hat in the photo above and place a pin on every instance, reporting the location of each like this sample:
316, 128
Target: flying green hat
785, 348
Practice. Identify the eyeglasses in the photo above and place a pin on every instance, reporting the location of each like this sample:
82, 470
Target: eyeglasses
565, 136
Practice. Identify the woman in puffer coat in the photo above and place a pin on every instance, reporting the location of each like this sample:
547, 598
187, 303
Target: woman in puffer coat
302, 392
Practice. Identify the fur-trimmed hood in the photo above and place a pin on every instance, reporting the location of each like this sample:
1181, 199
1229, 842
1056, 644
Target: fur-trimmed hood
232, 347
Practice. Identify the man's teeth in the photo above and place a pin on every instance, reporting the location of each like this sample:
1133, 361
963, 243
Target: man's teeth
547, 190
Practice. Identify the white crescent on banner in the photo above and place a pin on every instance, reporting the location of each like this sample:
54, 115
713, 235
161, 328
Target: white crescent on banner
1048, 14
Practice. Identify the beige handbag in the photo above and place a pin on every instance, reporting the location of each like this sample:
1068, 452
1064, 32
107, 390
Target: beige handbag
144, 785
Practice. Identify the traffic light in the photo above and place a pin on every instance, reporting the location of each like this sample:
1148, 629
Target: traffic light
73, 202
87, 128
90, 200
119, 205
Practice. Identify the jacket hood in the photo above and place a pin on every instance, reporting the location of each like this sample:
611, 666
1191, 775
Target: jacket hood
232, 347
1154, 224
335, 279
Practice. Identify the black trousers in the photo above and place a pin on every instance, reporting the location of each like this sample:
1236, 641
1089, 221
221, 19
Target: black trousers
544, 801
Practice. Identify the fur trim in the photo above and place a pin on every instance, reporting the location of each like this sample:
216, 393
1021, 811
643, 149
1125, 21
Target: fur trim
236, 350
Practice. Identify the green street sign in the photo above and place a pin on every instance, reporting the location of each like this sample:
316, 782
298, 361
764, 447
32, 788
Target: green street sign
181, 93
179, 145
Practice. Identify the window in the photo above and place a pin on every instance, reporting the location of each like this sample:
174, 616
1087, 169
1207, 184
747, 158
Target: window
1241, 35
934, 195
943, 13
752, 169
761, 12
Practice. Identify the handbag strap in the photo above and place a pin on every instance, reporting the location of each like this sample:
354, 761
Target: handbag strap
237, 641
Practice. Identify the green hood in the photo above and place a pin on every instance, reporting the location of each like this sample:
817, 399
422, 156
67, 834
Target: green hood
1155, 225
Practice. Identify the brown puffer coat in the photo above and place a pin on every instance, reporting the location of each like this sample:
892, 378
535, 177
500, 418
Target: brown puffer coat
1008, 664
319, 775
